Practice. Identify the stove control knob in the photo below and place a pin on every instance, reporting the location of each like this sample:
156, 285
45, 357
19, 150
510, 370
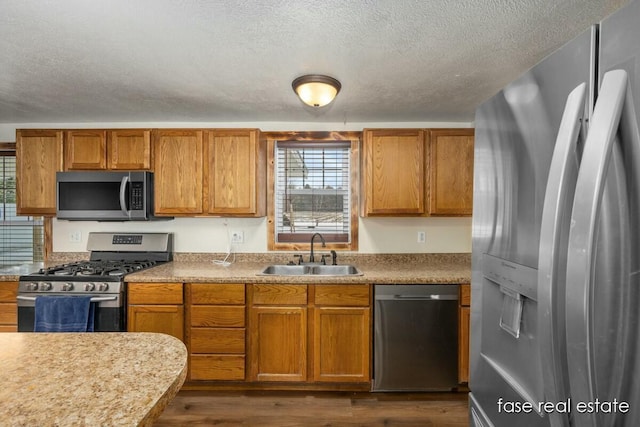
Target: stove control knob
89, 287
103, 287
45, 286
32, 286
67, 287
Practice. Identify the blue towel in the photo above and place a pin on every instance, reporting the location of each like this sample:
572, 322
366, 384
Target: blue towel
63, 314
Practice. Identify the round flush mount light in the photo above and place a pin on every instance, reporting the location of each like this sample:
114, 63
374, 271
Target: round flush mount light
316, 90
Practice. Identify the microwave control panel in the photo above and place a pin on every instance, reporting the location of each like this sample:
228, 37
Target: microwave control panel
137, 196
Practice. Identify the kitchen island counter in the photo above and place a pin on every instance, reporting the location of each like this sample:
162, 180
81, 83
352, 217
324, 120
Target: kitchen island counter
88, 379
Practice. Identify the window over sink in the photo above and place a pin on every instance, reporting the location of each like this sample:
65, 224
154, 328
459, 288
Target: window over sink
312, 190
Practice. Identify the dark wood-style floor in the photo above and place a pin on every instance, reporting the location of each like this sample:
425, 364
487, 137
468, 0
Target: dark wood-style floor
284, 409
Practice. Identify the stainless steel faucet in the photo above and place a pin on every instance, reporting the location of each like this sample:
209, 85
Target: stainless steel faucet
311, 258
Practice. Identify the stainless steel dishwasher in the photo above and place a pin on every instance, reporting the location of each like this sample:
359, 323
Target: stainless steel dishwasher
415, 337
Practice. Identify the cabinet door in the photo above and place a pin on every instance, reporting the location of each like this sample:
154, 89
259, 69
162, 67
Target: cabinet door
8, 307
38, 158
278, 343
451, 172
341, 344
85, 150
167, 319
178, 171
234, 169
394, 172
129, 149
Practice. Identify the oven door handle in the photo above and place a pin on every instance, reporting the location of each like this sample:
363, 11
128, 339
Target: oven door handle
94, 299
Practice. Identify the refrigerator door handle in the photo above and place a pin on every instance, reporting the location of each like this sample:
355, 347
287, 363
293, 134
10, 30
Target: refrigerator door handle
585, 216
553, 232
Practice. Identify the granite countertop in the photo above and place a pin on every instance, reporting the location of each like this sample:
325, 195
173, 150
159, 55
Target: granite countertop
377, 269
76, 379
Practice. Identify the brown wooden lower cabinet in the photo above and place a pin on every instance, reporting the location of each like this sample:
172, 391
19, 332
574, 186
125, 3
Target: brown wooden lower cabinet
216, 331
341, 344
263, 335
310, 334
464, 320
8, 307
156, 307
278, 333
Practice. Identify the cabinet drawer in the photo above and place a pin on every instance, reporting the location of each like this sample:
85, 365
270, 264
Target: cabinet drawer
155, 293
8, 313
213, 293
465, 295
342, 295
217, 340
217, 367
218, 316
279, 294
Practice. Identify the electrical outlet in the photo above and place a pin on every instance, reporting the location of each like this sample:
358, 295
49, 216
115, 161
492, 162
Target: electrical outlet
237, 236
75, 236
422, 237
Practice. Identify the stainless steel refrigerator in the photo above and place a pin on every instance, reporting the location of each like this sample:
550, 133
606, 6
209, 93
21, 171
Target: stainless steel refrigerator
555, 334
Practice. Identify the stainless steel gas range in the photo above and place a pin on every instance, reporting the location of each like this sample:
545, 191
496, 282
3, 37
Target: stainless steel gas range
113, 255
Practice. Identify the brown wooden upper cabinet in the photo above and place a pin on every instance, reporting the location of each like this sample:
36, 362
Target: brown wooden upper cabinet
236, 168
393, 172
209, 172
417, 172
451, 172
38, 158
178, 171
99, 149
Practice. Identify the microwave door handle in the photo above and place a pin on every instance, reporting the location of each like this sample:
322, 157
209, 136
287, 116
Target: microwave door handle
123, 193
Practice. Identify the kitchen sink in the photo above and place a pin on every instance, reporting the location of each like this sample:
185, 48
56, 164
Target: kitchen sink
286, 270
315, 270
335, 270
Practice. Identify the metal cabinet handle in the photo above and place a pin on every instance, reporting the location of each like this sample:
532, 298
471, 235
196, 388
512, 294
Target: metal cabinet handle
561, 183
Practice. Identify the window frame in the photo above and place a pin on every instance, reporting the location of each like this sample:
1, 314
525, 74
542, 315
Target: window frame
354, 159
9, 149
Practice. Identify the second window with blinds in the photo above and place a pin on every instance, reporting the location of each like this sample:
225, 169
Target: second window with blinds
313, 193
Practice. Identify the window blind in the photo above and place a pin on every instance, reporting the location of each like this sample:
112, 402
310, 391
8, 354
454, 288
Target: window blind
21, 237
312, 191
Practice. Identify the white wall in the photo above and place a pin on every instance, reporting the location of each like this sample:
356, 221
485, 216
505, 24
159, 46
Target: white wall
376, 235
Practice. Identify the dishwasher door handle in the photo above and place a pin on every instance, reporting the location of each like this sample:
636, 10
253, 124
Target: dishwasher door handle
433, 297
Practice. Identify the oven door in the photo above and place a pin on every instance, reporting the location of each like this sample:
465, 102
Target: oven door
109, 312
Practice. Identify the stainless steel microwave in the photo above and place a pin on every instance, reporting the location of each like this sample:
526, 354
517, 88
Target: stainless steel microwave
105, 196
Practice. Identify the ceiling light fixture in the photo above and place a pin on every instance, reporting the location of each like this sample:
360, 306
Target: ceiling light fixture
316, 90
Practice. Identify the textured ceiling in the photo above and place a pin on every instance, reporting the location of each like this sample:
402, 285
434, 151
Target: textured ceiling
234, 60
